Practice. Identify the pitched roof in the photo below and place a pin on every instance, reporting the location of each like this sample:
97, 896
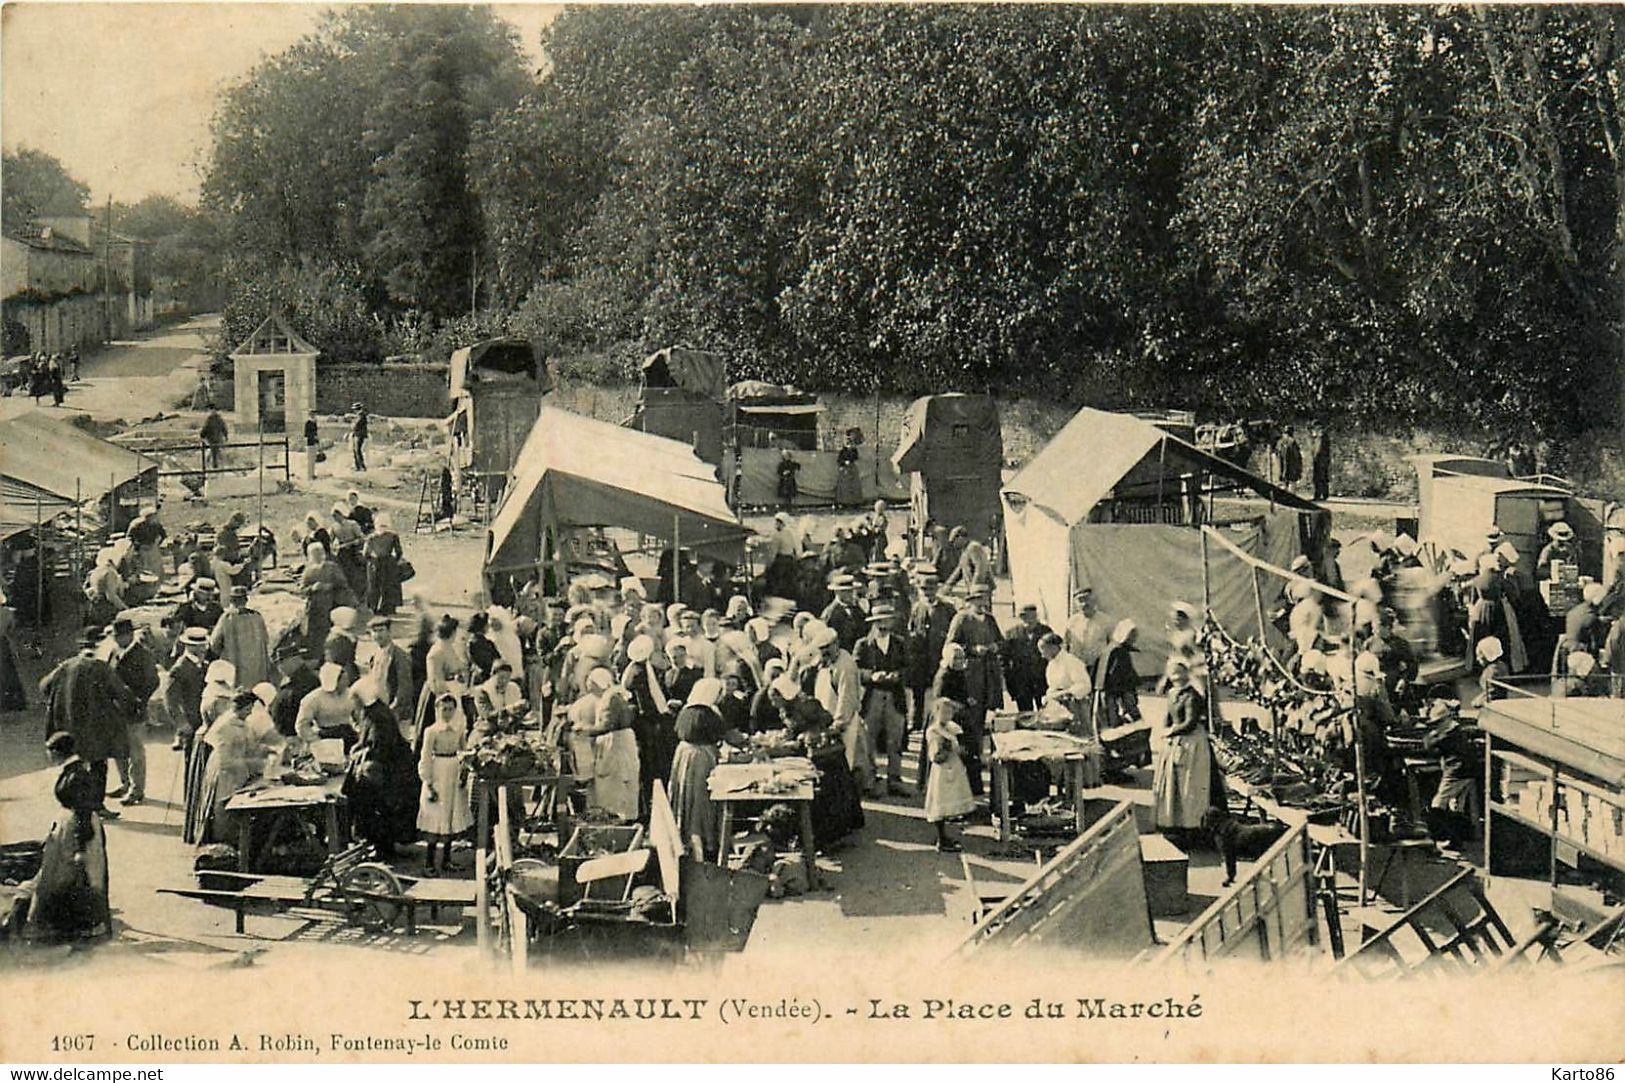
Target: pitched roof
62, 459
574, 471
1097, 451
274, 336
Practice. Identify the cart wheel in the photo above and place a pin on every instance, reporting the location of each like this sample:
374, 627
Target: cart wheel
368, 889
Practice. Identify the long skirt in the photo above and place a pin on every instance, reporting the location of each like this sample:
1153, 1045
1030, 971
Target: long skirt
216, 824
837, 807
450, 813
1182, 784
70, 900
697, 815
848, 485
947, 791
616, 773
197, 808
383, 585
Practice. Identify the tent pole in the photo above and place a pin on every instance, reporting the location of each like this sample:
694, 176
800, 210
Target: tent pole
1162, 459
78, 533
1275, 720
1359, 781
39, 562
1207, 615
676, 558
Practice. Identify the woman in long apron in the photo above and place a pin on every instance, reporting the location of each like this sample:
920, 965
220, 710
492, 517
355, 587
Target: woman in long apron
235, 759
218, 690
1184, 784
616, 783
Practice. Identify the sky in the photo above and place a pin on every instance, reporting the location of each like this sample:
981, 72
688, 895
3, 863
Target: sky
122, 93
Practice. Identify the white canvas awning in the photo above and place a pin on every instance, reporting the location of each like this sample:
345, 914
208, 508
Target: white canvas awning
576, 472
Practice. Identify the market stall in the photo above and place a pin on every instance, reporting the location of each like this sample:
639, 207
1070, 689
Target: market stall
574, 472
1116, 503
1554, 773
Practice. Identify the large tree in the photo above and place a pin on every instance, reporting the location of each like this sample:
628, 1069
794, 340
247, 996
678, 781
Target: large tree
37, 184
351, 149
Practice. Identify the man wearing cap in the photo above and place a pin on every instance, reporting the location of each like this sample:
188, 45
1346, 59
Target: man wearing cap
201, 610
975, 629
1066, 681
183, 688
147, 534
297, 681
844, 614
85, 697
388, 663
358, 436
499, 693
240, 637
883, 663
928, 621
1561, 547
1023, 665
784, 547
135, 665
1395, 655
1088, 630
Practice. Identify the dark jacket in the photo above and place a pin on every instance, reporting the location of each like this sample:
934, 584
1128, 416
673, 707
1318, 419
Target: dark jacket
894, 660
84, 696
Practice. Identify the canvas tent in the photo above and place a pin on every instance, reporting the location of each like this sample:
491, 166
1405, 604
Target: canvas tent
953, 451
681, 398
48, 465
576, 472
1113, 501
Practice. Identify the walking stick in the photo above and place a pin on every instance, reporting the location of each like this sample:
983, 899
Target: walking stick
169, 793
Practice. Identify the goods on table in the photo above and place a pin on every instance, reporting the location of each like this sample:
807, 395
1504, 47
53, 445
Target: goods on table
511, 755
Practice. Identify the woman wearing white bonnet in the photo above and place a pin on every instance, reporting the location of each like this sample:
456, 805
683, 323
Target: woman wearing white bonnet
1490, 655
617, 765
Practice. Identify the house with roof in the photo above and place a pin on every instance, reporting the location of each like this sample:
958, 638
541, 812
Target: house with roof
65, 283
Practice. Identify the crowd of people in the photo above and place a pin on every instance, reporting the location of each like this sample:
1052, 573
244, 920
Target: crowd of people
628, 691
39, 375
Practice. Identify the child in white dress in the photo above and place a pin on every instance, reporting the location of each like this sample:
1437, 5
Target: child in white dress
443, 808
947, 787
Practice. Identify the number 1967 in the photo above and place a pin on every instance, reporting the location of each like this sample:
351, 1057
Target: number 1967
73, 1043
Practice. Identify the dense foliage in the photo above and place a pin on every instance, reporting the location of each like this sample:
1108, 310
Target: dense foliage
36, 184
1403, 213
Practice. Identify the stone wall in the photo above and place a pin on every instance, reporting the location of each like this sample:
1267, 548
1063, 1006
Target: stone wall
389, 389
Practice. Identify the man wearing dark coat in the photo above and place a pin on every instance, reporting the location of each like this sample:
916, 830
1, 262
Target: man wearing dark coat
84, 697
844, 614
183, 694
975, 629
136, 666
1024, 667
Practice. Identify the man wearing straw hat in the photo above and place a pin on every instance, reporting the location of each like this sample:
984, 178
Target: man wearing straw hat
882, 659
844, 614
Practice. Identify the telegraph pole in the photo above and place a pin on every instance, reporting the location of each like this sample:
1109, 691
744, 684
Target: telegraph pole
107, 269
